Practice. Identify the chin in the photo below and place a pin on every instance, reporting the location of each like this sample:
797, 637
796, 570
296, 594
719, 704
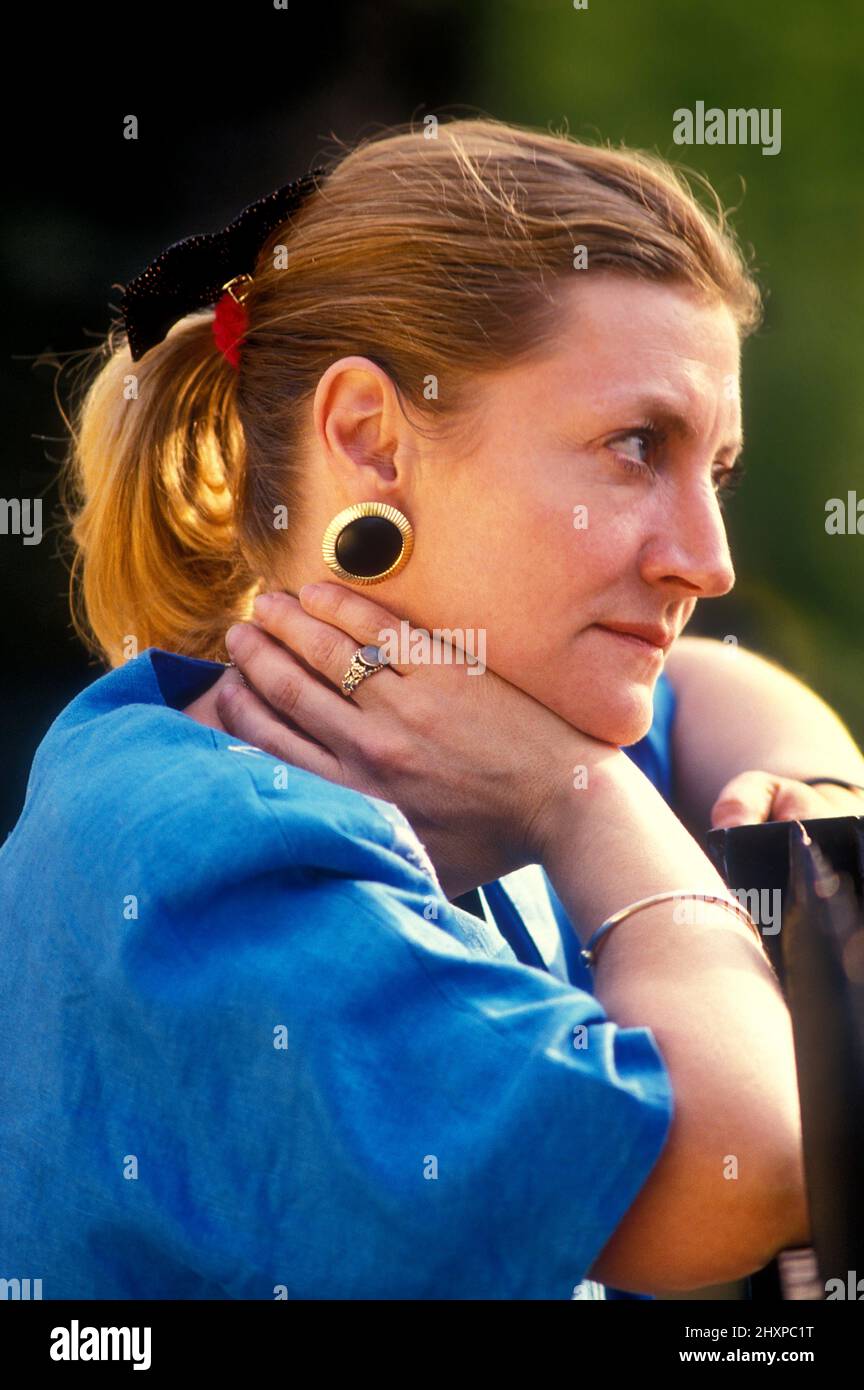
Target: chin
622, 717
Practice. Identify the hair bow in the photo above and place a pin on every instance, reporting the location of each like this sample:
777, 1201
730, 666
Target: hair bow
193, 273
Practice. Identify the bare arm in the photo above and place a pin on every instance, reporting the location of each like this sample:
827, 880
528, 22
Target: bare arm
708, 995
738, 712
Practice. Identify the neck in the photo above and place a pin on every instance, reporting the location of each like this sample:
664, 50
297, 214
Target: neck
204, 708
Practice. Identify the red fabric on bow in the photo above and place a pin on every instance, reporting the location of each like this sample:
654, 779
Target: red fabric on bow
229, 327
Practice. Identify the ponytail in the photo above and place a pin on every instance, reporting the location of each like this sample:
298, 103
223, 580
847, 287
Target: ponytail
154, 469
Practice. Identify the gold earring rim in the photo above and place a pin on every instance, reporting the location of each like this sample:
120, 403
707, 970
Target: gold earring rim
353, 513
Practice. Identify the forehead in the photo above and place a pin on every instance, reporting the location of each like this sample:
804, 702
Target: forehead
618, 335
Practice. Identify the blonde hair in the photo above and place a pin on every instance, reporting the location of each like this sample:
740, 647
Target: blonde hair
433, 257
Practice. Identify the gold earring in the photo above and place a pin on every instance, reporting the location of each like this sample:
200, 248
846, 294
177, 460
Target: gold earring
368, 542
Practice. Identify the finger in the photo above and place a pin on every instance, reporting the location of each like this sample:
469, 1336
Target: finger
354, 613
322, 644
371, 623
745, 800
295, 694
248, 718
847, 801
796, 801
329, 623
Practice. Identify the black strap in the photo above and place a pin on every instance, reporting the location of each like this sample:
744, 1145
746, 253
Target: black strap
834, 781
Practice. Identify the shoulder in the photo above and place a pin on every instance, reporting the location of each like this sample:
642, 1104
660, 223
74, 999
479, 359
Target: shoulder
694, 653
699, 661
142, 784
691, 652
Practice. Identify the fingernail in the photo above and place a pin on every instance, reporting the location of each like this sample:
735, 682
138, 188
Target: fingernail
308, 591
262, 605
231, 638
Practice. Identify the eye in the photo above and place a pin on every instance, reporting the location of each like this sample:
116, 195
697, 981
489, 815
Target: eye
728, 480
637, 449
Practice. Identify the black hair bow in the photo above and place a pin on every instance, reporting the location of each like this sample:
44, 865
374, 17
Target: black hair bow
191, 274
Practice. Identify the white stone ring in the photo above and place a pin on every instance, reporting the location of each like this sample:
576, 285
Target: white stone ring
364, 663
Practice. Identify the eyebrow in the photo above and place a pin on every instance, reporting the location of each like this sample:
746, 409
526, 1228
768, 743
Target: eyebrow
667, 409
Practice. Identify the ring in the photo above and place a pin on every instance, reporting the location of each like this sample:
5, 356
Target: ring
364, 663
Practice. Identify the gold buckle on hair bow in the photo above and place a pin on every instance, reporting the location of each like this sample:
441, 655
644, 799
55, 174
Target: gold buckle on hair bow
234, 286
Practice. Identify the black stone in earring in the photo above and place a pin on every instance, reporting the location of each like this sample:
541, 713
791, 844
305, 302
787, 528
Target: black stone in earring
368, 542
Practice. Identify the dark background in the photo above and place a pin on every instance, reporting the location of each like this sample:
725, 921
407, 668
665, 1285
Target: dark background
233, 102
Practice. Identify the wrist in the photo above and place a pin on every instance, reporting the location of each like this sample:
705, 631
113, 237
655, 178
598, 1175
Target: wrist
616, 841
585, 780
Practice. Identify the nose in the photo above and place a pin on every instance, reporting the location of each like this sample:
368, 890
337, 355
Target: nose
687, 547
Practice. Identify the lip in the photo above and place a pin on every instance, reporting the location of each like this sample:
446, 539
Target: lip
641, 636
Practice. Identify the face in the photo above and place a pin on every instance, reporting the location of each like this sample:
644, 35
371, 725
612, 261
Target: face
588, 499
592, 501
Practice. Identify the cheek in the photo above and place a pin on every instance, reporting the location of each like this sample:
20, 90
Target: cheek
546, 573
528, 554
537, 593
603, 553
512, 550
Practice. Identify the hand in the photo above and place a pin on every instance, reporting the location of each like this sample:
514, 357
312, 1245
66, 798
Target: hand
753, 797
474, 763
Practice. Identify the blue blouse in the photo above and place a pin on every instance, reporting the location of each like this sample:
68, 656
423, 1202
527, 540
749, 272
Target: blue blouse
251, 1051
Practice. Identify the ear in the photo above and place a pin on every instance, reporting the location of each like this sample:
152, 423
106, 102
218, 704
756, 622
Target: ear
359, 424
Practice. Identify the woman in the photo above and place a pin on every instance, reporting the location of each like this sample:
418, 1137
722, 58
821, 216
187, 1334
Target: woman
254, 1048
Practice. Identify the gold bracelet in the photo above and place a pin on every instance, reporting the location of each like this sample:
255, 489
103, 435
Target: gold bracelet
589, 951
